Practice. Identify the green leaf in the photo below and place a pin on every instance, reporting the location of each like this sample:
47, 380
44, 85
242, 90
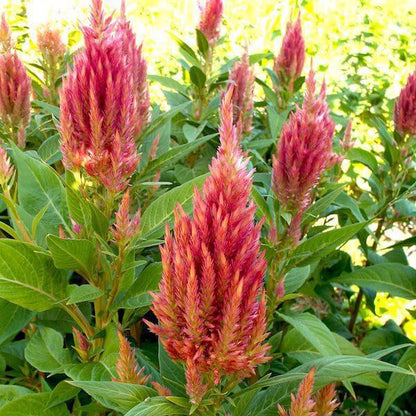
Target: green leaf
328, 370
202, 42
400, 383
33, 405
168, 83
88, 372
175, 154
28, 277
117, 396
71, 254
62, 393
83, 293
316, 332
321, 205
262, 207
9, 393
13, 319
148, 280
49, 108
295, 278
45, 351
198, 78
159, 406
38, 186
160, 211
394, 278
322, 244
50, 150
365, 157
172, 373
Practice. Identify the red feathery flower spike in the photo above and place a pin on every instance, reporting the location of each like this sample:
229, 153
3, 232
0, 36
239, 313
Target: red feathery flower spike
405, 108
211, 306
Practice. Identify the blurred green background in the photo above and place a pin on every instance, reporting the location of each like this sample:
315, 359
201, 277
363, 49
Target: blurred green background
364, 49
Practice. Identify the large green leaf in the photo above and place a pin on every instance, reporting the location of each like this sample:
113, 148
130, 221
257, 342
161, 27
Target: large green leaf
40, 186
328, 370
9, 393
173, 155
71, 254
295, 278
315, 331
394, 278
161, 406
172, 373
13, 319
160, 211
45, 351
400, 383
365, 157
29, 278
322, 244
33, 405
117, 396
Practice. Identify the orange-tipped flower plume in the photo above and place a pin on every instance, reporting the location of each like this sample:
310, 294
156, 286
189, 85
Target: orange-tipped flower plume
127, 367
289, 63
49, 42
103, 104
242, 76
211, 307
304, 150
15, 88
210, 21
6, 168
405, 108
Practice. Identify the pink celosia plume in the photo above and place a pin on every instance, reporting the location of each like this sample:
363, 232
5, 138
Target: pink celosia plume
101, 108
210, 20
211, 307
304, 150
127, 367
6, 168
49, 42
289, 63
242, 77
6, 40
15, 89
125, 228
346, 142
405, 108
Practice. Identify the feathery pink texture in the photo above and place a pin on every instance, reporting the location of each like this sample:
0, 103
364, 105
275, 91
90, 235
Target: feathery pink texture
242, 76
209, 310
289, 63
125, 228
15, 88
210, 20
304, 150
103, 102
49, 42
6, 168
405, 108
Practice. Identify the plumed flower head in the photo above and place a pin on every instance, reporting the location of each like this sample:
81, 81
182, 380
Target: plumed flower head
15, 89
210, 21
405, 108
289, 63
242, 76
6, 168
49, 42
304, 150
6, 40
211, 307
101, 111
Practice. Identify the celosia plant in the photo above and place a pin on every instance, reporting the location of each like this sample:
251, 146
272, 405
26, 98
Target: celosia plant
289, 63
15, 89
102, 111
405, 108
242, 76
210, 20
208, 307
303, 153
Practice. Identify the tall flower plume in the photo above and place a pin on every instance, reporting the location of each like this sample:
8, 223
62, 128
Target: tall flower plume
242, 76
15, 88
405, 108
289, 63
210, 20
303, 153
102, 111
211, 307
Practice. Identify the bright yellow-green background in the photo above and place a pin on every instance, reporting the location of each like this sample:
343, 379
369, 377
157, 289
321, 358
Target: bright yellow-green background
331, 29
